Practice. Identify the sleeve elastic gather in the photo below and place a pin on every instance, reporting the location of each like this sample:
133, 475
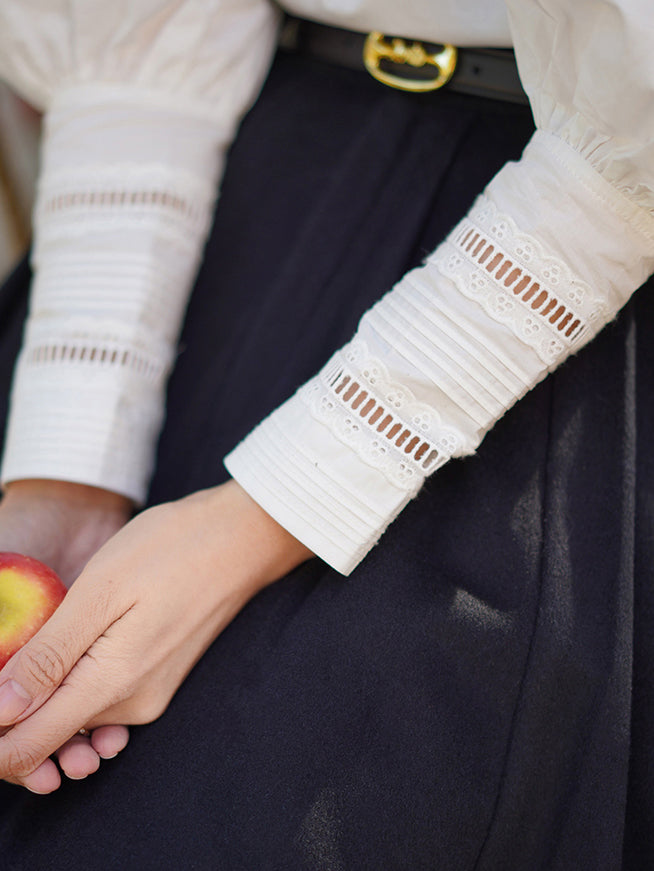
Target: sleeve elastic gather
588, 69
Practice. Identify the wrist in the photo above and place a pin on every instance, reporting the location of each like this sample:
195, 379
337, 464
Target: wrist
262, 551
81, 496
284, 551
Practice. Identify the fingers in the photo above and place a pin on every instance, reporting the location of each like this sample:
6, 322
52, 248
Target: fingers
80, 698
53, 729
33, 674
27, 765
108, 741
44, 779
13, 701
78, 758
54, 686
28, 745
81, 755
131, 627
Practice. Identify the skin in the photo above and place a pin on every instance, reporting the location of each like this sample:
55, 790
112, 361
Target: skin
128, 632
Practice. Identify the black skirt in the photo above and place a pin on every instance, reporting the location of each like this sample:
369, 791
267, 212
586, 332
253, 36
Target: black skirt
478, 694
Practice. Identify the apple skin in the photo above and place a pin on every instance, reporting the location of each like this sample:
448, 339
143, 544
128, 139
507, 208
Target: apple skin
30, 592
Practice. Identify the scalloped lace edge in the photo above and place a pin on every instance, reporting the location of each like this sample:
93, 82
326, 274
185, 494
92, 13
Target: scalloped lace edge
519, 283
380, 418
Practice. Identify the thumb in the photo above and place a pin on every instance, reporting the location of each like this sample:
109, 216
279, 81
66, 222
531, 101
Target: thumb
36, 670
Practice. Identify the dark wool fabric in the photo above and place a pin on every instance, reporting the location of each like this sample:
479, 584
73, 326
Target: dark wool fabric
478, 694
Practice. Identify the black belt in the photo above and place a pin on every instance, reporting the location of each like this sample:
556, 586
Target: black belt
409, 65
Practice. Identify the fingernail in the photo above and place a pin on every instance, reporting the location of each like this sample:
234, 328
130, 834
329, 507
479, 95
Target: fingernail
13, 701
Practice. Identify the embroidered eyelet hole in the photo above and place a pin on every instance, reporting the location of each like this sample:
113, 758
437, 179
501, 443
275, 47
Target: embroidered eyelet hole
384, 436
482, 251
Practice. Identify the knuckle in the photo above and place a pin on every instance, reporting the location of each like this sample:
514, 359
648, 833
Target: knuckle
101, 678
103, 684
101, 608
21, 758
44, 666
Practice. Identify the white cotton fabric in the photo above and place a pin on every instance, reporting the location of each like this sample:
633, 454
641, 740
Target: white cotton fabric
459, 22
120, 226
142, 100
207, 55
588, 68
452, 337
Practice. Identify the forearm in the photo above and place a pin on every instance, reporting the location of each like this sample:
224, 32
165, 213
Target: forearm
135, 137
541, 263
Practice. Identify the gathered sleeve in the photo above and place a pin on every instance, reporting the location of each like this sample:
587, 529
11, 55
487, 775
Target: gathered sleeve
548, 254
140, 101
589, 73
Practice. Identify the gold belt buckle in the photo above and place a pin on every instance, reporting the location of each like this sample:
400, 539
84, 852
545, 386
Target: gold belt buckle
378, 47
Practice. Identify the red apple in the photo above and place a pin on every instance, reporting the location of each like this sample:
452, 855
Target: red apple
29, 593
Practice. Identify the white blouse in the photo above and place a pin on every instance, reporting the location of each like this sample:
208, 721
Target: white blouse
142, 100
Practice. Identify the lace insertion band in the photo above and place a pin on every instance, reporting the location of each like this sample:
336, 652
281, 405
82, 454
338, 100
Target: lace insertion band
125, 199
80, 212
87, 353
121, 196
379, 418
519, 283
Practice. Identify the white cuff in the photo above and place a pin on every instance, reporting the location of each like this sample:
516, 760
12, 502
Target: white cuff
124, 206
544, 259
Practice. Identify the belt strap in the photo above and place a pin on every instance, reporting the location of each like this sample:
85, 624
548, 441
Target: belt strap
482, 72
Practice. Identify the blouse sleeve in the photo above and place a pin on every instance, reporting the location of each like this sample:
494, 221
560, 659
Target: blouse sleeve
141, 101
548, 254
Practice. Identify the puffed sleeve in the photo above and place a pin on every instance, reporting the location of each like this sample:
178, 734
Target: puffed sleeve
141, 101
549, 253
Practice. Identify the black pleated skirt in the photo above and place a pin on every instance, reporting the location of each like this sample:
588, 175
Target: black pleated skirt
479, 693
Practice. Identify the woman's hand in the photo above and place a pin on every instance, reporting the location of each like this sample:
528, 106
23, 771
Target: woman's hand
141, 614
63, 524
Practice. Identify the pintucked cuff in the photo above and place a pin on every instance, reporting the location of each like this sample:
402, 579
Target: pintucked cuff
314, 486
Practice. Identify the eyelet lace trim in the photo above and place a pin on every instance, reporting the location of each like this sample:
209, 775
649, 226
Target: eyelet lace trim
123, 197
519, 283
380, 418
106, 354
